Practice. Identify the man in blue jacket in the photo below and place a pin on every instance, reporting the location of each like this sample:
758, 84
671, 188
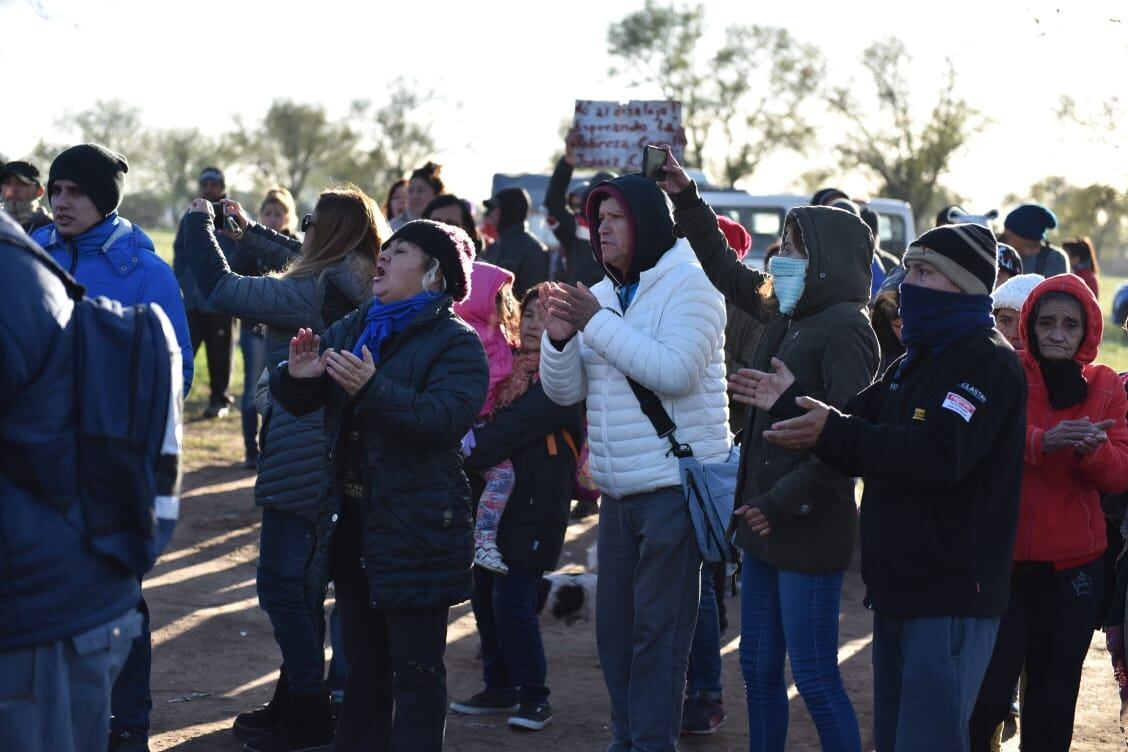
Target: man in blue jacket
110, 256
105, 252
70, 616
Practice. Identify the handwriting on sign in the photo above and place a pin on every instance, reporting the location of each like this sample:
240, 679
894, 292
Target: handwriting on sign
614, 134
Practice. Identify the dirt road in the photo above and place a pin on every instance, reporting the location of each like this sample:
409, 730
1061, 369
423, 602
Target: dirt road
214, 657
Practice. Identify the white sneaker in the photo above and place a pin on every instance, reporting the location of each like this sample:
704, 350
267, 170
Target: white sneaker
488, 557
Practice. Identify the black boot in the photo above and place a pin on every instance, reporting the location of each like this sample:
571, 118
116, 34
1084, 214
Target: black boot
307, 727
255, 723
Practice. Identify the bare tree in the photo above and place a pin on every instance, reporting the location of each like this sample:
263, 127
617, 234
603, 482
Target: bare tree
908, 157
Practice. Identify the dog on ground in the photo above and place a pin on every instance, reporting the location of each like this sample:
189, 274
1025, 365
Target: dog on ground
566, 598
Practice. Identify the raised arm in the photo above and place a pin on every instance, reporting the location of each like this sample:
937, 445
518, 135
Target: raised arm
939, 450
277, 302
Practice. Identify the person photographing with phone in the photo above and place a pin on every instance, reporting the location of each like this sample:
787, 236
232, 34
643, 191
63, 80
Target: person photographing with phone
796, 515
939, 442
209, 327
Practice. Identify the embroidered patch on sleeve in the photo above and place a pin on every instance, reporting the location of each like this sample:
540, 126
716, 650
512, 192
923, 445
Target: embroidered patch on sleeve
959, 406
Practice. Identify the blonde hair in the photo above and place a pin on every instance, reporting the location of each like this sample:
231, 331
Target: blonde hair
278, 194
347, 220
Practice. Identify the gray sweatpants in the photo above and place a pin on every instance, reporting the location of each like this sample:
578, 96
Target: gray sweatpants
646, 610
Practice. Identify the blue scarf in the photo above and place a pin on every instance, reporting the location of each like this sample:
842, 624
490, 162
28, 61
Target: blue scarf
385, 320
933, 319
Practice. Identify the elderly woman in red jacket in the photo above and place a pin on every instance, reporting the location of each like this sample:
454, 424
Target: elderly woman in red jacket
1076, 448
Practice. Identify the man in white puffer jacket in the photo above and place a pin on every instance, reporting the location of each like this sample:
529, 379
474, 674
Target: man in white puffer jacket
657, 319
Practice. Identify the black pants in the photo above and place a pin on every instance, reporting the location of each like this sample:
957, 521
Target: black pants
1047, 629
213, 331
395, 661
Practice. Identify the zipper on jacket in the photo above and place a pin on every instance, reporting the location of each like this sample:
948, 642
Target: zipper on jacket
74, 257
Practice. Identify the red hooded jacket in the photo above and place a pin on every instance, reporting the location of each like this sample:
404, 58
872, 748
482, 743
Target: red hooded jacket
1060, 518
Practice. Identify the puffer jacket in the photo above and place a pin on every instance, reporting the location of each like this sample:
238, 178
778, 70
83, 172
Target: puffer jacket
669, 339
416, 527
1060, 519
830, 348
541, 438
52, 586
290, 461
116, 259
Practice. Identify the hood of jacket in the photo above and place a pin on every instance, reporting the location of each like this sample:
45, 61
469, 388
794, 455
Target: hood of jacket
840, 257
480, 309
115, 238
1075, 287
513, 207
651, 218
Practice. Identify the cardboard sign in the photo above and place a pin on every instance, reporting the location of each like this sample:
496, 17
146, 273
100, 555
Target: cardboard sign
613, 135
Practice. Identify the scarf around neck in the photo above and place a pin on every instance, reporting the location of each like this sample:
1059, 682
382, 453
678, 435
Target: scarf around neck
933, 319
384, 320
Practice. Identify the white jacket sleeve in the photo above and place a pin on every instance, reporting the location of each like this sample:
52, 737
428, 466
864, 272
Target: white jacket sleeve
672, 362
562, 371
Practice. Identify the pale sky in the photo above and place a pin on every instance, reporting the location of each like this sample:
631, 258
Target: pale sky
506, 73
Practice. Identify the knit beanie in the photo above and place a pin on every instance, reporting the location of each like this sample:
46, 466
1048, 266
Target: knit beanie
1008, 259
1014, 292
448, 244
824, 196
738, 238
98, 172
964, 253
1031, 221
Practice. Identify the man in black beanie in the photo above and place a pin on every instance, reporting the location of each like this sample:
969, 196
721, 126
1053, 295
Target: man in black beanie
209, 327
517, 249
939, 441
110, 256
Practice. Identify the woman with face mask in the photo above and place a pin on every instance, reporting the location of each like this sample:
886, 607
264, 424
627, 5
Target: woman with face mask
797, 517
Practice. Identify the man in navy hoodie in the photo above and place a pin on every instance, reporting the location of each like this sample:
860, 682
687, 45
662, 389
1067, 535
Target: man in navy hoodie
110, 256
70, 616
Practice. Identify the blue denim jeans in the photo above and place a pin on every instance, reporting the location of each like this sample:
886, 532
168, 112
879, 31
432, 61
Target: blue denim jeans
505, 607
646, 609
926, 676
796, 614
131, 701
704, 673
254, 360
296, 615
57, 696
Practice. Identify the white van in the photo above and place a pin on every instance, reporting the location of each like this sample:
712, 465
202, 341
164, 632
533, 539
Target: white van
763, 217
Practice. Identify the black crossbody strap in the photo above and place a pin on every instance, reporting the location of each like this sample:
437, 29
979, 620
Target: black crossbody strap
663, 424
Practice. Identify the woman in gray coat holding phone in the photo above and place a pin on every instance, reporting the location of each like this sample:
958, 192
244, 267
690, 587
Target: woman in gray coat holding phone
326, 275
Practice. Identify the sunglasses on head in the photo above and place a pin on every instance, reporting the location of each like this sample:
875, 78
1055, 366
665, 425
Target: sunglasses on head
307, 222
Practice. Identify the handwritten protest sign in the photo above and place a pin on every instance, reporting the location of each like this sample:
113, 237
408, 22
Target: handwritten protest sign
614, 134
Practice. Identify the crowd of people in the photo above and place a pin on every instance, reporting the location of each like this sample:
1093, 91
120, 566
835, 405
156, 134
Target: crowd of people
427, 389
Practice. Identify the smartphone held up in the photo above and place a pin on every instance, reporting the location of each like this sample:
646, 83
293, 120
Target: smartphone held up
653, 159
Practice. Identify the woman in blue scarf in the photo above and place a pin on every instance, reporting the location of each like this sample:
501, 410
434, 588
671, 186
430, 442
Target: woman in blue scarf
401, 381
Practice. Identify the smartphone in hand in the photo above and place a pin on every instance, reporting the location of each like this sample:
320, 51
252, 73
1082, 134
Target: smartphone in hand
653, 159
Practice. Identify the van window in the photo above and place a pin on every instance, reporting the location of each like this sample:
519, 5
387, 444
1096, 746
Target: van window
892, 233
764, 224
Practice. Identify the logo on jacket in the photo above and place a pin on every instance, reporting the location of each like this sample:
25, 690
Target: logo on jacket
974, 392
1082, 585
959, 406
918, 414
